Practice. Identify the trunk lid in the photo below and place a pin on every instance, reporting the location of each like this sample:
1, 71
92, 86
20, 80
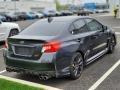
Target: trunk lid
27, 47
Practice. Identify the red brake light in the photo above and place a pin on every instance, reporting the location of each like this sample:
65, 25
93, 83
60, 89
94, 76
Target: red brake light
51, 47
6, 44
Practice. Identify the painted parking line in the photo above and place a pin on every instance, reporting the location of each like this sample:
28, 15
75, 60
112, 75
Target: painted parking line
118, 33
27, 83
2, 49
98, 82
2, 71
116, 27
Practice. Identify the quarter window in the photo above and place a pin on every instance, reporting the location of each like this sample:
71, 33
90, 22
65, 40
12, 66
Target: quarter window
80, 26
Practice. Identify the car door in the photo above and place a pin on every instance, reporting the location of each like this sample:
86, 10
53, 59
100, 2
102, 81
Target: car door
99, 36
83, 37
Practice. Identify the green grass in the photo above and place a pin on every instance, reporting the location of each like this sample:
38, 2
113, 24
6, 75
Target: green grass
9, 85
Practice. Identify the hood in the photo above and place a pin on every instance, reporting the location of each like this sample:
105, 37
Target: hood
10, 24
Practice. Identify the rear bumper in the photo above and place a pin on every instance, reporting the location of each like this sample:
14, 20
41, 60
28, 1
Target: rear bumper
34, 72
49, 63
28, 66
35, 68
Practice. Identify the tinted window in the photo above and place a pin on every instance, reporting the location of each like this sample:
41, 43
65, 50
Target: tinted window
43, 28
80, 26
94, 25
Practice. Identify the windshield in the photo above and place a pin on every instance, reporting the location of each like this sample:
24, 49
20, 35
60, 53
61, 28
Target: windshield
43, 28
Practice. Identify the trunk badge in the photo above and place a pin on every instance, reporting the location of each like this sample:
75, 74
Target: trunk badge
22, 42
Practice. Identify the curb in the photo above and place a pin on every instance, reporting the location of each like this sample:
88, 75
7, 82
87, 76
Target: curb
29, 83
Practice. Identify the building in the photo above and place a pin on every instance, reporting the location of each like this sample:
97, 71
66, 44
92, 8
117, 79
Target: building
26, 5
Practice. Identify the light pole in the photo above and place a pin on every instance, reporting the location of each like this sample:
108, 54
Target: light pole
107, 2
15, 4
5, 6
119, 10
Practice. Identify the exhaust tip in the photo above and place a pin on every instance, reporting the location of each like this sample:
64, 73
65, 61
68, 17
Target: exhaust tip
43, 77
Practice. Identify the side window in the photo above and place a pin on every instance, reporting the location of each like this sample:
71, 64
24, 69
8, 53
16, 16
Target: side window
80, 27
94, 25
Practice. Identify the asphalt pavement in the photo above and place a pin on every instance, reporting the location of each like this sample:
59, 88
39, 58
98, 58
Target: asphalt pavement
91, 73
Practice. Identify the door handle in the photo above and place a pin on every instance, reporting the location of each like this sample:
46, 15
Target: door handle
78, 40
94, 37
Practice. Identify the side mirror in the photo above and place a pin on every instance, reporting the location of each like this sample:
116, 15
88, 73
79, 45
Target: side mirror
74, 31
0, 22
105, 27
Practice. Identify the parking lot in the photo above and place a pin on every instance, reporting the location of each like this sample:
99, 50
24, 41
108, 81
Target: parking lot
91, 73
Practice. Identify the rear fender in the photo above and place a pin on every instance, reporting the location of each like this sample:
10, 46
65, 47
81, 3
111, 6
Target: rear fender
64, 57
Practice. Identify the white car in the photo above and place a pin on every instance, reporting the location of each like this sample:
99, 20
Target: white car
39, 15
8, 29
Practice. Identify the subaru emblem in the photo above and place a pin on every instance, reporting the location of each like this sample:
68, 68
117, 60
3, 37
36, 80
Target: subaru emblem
22, 42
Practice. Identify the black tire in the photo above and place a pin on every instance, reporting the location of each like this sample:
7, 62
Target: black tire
13, 32
9, 20
111, 45
76, 66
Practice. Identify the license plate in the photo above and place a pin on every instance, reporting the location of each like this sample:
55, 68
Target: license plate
23, 51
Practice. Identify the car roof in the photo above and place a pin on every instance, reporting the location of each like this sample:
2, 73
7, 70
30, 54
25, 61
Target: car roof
66, 18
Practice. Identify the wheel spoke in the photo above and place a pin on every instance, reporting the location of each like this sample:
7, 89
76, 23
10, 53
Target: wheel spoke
77, 66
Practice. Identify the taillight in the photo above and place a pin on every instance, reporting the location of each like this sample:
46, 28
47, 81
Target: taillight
51, 47
6, 44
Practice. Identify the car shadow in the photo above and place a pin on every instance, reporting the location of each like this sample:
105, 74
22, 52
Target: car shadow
54, 82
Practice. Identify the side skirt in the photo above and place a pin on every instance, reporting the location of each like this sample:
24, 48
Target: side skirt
98, 55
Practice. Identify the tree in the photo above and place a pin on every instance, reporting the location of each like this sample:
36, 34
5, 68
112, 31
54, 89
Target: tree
60, 7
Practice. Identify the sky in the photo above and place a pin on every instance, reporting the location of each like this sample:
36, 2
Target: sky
76, 1
69, 1
84, 0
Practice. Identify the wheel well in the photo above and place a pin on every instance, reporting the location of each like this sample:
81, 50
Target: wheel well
14, 29
114, 39
82, 55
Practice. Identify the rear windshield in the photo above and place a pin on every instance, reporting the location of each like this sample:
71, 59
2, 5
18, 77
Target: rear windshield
43, 28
